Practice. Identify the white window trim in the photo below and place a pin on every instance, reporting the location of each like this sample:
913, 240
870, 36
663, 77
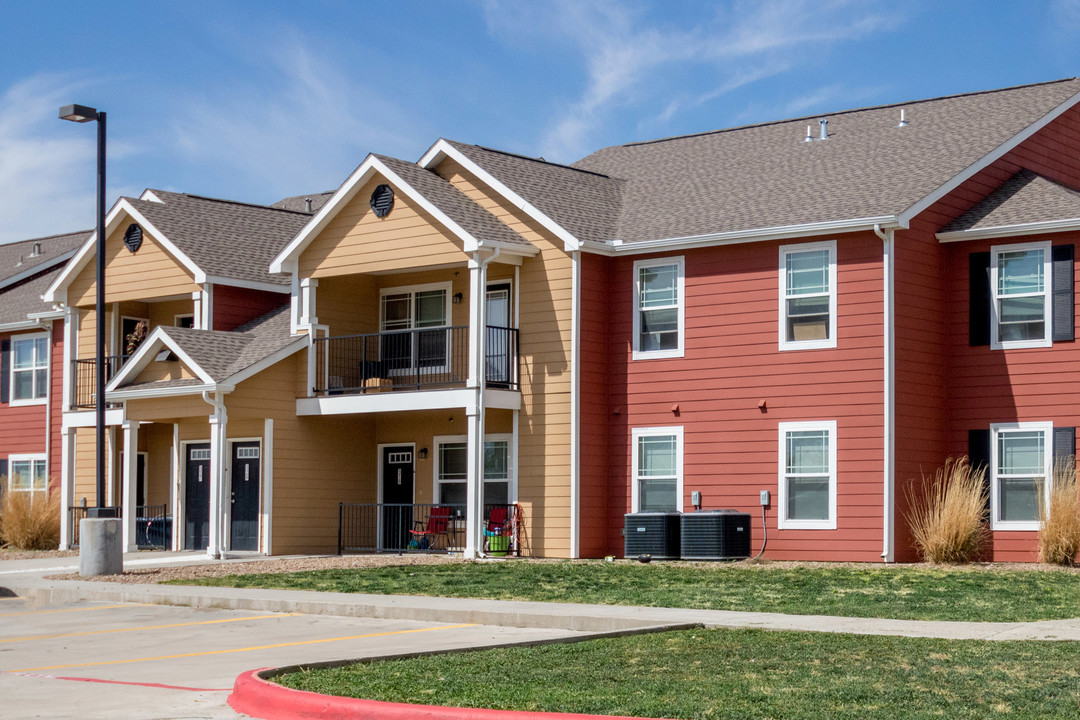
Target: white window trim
637, 433
12, 401
30, 458
448, 288
178, 318
679, 351
1047, 429
1048, 293
783, 522
511, 480
830, 341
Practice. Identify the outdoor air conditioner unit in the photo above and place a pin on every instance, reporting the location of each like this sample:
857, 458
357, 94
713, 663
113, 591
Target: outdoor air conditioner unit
655, 534
715, 535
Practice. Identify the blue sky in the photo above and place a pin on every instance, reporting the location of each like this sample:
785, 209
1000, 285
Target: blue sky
256, 101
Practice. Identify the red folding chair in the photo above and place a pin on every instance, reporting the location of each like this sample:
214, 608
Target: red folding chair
438, 524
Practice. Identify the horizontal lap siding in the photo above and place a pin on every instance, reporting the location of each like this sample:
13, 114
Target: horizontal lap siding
732, 363
595, 503
234, 306
545, 336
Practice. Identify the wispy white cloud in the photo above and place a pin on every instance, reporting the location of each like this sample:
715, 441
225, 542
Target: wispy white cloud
629, 60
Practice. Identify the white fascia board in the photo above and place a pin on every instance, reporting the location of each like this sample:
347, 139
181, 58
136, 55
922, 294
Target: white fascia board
148, 393
441, 149
387, 402
986, 160
40, 267
248, 284
268, 361
21, 325
736, 237
88, 418
83, 255
1035, 228
509, 248
46, 316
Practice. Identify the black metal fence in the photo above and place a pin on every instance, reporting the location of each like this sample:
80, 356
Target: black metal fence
410, 360
153, 526
384, 527
84, 379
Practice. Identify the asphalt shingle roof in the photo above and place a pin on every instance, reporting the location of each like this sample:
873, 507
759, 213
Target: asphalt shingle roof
472, 218
1023, 198
23, 298
587, 204
764, 176
224, 238
298, 203
18, 257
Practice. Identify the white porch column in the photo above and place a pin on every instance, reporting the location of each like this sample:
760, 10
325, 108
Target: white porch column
474, 480
67, 485
218, 506
130, 478
174, 483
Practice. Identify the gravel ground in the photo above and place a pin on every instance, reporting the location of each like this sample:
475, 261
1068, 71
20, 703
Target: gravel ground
12, 554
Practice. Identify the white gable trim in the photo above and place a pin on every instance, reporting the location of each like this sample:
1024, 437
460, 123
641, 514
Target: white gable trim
991, 157
442, 149
36, 269
248, 284
57, 292
286, 261
266, 362
1034, 228
154, 343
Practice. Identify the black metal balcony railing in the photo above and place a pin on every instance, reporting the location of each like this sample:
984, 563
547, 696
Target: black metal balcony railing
84, 379
410, 360
384, 527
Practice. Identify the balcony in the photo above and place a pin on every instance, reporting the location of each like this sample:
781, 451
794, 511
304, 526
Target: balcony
83, 380
418, 359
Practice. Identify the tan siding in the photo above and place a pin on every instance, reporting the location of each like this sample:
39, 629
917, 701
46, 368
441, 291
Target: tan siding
149, 273
158, 446
165, 312
356, 241
166, 409
156, 371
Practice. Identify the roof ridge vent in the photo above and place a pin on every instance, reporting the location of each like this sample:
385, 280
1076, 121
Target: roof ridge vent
903, 122
823, 123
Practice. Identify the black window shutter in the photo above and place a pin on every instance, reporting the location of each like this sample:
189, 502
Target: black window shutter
980, 299
1064, 442
979, 455
1063, 306
3, 470
5, 370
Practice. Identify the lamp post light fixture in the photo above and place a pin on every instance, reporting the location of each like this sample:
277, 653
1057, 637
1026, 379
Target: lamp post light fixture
84, 114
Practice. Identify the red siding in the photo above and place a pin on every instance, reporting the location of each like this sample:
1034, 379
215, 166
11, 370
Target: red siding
235, 306
731, 364
595, 492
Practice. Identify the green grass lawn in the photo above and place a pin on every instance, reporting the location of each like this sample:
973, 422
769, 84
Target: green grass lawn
735, 674
908, 592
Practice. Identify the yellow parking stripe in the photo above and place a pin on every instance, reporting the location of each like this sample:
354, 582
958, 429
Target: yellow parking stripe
247, 649
146, 627
71, 610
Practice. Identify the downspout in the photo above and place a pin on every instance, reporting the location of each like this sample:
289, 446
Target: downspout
481, 385
888, 259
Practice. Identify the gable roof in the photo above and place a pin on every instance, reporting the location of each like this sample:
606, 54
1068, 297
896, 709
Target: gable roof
764, 176
19, 301
27, 269
474, 225
298, 203
216, 357
1026, 202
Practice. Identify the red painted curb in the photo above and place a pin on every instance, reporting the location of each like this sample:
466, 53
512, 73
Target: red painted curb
254, 696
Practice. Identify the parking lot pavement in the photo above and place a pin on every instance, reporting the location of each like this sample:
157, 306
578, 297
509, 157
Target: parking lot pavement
122, 660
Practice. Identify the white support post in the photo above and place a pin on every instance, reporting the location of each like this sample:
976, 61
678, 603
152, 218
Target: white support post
268, 485
130, 478
307, 292
174, 477
67, 485
474, 481
197, 304
71, 340
218, 507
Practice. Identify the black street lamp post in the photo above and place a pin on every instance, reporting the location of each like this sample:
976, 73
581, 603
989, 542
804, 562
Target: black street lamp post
82, 114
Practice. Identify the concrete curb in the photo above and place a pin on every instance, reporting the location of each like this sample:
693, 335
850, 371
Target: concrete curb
253, 694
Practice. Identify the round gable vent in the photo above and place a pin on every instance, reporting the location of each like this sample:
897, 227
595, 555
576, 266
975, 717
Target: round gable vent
133, 237
382, 200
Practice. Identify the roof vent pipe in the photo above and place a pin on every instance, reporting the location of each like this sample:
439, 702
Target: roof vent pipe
36, 252
19, 264
824, 134
809, 134
903, 122
307, 204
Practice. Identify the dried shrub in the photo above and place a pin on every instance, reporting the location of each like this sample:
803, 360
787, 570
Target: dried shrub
948, 518
30, 521
1059, 534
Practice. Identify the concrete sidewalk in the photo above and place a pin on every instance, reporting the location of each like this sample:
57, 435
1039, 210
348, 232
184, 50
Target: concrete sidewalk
576, 617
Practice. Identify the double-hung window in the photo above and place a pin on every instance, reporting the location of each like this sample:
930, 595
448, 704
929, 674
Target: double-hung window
451, 475
1020, 468
657, 460
659, 302
415, 321
27, 473
1021, 306
29, 369
808, 296
807, 490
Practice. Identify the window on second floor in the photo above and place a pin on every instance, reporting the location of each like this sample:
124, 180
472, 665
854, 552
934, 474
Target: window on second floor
1020, 282
29, 368
808, 296
659, 304
415, 308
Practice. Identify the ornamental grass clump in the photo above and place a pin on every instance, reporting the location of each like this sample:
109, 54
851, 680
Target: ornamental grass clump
948, 517
1059, 535
30, 521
